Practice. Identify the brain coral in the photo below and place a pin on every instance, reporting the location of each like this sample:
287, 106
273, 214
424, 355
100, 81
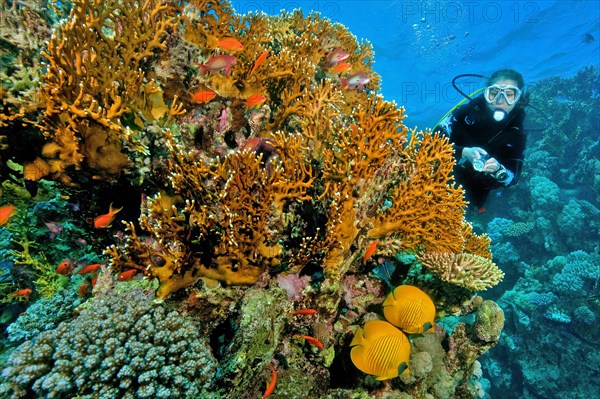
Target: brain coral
122, 346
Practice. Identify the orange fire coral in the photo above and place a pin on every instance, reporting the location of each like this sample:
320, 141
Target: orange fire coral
94, 79
330, 170
227, 229
427, 211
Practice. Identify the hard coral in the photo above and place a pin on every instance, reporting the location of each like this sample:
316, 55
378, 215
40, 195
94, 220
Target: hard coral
122, 336
464, 269
94, 79
336, 156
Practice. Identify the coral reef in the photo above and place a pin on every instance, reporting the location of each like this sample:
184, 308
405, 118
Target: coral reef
551, 292
253, 179
94, 79
44, 315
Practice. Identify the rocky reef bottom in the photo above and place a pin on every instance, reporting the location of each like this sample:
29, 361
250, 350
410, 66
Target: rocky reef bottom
223, 343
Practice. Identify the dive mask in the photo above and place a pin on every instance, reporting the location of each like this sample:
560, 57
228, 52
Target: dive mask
511, 93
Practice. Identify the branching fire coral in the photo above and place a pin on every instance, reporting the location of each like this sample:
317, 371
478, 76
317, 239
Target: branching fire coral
333, 166
228, 228
426, 209
94, 79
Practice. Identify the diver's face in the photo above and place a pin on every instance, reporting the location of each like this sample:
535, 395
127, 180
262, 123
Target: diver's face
499, 102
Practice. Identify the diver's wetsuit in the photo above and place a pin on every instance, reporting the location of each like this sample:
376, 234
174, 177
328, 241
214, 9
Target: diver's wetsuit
472, 125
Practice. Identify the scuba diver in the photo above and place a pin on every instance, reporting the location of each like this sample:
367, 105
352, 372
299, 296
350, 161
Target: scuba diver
488, 137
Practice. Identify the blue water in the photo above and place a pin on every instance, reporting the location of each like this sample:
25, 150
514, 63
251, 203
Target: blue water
420, 46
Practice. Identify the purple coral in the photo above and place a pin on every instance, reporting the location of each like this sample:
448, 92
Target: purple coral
293, 285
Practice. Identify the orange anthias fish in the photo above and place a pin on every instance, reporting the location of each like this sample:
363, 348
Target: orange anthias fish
90, 268
261, 58
271, 384
84, 289
370, 252
340, 68
203, 96
127, 275
303, 312
65, 268
24, 293
231, 44
6, 212
105, 221
336, 56
356, 81
255, 100
311, 340
218, 63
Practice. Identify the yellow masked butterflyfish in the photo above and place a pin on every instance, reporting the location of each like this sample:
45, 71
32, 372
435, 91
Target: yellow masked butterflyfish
380, 349
410, 309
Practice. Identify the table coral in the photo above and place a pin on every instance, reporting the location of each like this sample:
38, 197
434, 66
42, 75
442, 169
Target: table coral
466, 270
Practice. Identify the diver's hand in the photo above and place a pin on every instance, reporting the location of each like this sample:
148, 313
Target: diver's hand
473, 153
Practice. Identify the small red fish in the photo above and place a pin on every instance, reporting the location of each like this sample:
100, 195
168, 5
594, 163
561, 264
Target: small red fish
370, 251
6, 212
356, 81
271, 384
231, 44
65, 268
481, 210
311, 340
255, 100
127, 275
203, 96
218, 63
336, 56
340, 68
104, 221
303, 312
24, 293
84, 289
90, 268
261, 58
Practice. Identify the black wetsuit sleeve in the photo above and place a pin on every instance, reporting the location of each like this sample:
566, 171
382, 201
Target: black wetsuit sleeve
513, 157
460, 133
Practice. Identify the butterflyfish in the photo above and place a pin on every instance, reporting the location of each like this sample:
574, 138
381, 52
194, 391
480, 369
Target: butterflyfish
410, 309
380, 349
